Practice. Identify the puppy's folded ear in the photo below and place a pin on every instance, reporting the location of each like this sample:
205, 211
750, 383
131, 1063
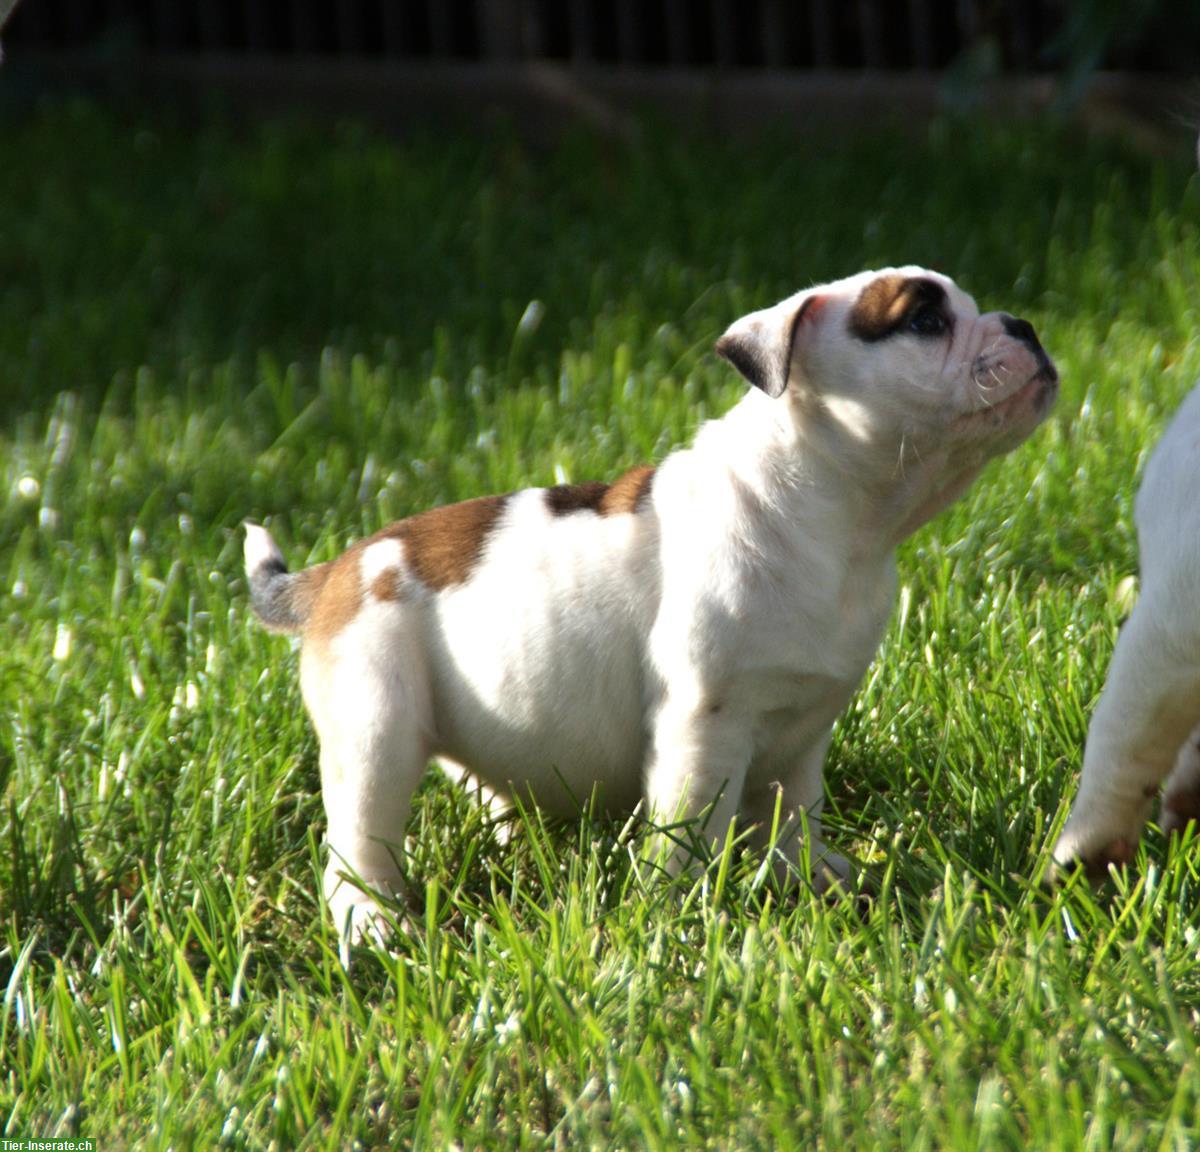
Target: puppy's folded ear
760, 345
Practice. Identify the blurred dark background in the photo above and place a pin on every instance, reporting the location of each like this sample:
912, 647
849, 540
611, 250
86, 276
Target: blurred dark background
1013, 36
728, 65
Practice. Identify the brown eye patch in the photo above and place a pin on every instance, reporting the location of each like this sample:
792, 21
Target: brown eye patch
887, 304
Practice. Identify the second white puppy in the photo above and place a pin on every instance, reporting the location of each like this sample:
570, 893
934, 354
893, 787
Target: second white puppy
1151, 699
1142, 728
685, 636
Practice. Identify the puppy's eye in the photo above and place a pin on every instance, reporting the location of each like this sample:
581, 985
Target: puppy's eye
927, 321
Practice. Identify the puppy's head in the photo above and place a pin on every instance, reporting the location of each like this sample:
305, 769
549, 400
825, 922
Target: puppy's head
894, 359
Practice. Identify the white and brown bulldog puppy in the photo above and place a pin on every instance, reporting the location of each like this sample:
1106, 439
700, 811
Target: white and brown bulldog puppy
1144, 728
683, 637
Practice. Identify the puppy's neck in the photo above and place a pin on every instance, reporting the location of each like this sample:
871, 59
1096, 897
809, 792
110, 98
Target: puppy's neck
805, 467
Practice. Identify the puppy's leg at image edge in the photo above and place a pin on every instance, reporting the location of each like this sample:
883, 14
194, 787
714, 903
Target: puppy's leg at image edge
697, 771
374, 751
1149, 706
799, 796
1181, 794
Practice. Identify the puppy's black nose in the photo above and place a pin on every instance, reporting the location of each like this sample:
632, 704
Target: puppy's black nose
1022, 330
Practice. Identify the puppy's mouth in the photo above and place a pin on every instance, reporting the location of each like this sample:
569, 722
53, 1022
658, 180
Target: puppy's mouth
1041, 389
1033, 398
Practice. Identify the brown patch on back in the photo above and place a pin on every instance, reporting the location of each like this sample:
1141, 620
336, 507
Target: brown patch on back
443, 545
563, 499
338, 600
885, 303
628, 493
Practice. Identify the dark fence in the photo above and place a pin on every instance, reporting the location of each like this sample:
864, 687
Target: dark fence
897, 35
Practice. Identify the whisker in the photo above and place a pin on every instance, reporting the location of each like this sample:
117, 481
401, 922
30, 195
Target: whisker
997, 380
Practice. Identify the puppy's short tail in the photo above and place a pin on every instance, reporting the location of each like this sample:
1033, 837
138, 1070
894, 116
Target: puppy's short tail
282, 600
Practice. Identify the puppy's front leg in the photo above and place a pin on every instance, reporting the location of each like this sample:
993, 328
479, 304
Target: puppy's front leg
697, 769
799, 795
1150, 704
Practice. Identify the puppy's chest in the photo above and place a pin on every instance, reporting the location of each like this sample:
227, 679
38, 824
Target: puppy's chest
801, 671
825, 626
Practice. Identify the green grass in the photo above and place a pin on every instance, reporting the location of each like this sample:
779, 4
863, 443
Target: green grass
324, 329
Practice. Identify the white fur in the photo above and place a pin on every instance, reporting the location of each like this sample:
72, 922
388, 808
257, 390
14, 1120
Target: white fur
691, 657
1144, 721
382, 556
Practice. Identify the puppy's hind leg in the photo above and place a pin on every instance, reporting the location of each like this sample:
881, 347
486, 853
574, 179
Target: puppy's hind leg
369, 698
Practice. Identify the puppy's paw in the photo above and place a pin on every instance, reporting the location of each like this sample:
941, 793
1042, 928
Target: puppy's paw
1095, 850
1106, 821
358, 915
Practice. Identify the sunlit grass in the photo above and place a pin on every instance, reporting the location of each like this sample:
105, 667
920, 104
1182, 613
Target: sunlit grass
330, 331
